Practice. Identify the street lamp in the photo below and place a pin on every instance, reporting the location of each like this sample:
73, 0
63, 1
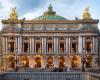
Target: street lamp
83, 60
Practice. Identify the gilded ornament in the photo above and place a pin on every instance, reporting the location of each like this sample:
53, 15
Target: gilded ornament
86, 14
13, 14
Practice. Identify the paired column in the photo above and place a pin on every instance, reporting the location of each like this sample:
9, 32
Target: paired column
96, 45
43, 44
55, 45
32, 45
83, 42
67, 44
80, 44
4, 44
16, 44
19, 44
20, 48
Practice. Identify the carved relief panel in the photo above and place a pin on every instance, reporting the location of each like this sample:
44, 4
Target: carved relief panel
50, 27
73, 26
38, 26
27, 26
61, 26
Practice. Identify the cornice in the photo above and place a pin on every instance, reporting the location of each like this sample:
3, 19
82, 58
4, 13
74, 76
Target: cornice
9, 21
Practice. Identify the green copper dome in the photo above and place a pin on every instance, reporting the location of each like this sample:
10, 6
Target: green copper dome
50, 15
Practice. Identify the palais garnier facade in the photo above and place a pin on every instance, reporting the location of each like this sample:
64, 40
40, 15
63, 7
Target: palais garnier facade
49, 41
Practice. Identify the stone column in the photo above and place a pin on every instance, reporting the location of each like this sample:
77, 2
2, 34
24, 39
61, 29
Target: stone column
33, 45
30, 51
31, 63
44, 60
83, 42
3, 43
6, 44
55, 45
20, 45
66, 44
43, 45
56, 61
69, 44
80, 44
66, 61
96, 45
16, 45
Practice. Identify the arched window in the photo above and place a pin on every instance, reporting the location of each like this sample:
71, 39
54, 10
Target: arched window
11, 43
25, 44
50, 44
38, 45
89, 43
62, 45
74, 44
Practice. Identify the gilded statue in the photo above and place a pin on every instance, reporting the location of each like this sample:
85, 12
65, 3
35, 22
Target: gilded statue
13, 14
86, 14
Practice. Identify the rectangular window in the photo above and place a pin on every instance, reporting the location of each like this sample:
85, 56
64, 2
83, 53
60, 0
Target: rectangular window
88, 46
49, 47
37, 47
25, 47
61, 47
11, 46
74, 47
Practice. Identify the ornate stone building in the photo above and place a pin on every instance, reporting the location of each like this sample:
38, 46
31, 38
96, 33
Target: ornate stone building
49, 41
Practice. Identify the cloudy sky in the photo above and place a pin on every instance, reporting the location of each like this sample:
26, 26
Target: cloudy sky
34, 8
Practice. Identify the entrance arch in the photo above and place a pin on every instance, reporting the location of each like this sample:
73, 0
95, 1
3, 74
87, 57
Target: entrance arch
38, 61
61, 62
25, 61
75, 62
88, 61
11, 61
49, 62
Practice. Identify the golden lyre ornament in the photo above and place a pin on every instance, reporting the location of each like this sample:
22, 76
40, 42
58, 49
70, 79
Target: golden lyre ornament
86, 14
13, 14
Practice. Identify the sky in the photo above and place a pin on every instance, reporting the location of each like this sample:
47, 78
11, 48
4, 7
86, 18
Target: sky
31, 9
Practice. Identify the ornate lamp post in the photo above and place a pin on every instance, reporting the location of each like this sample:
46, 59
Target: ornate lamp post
83, 60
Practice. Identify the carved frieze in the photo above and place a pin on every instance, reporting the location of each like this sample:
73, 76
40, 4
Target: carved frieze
54, 26
62, 26
27, 27
38, 26
50, 27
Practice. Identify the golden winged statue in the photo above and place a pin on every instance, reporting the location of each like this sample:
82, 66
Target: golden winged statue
13, 14
86, 14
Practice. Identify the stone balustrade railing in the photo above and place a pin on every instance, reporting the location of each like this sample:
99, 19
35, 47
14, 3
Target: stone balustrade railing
49, 76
